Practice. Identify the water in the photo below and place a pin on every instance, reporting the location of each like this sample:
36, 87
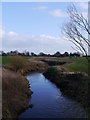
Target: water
48, 101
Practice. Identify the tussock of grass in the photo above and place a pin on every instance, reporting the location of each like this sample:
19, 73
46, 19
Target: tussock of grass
15, 93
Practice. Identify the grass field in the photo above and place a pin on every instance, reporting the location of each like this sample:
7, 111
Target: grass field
74, 64
4, 60
79, 64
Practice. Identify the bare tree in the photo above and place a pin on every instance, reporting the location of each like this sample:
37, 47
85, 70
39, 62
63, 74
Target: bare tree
77, 30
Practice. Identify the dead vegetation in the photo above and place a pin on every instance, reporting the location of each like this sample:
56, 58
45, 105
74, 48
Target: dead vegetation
15, 93
34, 65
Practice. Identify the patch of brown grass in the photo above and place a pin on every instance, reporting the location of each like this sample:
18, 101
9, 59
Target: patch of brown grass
35, 65
15, 93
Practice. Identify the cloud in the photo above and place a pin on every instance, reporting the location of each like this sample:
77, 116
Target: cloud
57, 13
41, 43
40, 8
11, 33
48, 37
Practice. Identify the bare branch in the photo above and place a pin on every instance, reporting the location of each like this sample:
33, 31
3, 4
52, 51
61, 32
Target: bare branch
77, 30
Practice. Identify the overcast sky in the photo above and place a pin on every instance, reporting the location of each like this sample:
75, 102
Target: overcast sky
36, 27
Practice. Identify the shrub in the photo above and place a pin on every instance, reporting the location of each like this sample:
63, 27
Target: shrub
18, 63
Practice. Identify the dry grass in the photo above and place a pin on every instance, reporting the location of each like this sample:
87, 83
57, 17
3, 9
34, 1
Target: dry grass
35, 65
17, 62
15, 93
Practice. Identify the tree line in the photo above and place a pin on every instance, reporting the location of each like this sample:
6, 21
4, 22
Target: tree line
27, 53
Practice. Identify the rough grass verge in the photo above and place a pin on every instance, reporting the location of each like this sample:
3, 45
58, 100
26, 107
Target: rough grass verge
74, 86
15, 94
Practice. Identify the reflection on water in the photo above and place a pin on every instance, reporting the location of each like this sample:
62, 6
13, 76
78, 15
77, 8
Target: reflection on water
48, 102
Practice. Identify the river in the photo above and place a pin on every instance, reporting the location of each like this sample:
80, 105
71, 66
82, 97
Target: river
48, 102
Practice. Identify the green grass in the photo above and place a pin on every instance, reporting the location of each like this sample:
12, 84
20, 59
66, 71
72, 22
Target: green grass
78, 65
5, 60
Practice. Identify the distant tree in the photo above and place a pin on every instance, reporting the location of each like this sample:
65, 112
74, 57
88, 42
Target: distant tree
42, 54
2, 53
57, 54
66, 54
33, 54
27, 53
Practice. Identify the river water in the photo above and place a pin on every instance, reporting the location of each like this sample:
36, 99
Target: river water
48, 102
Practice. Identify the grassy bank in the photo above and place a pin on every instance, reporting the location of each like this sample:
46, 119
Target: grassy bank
74, 86
15, 88
15, 93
